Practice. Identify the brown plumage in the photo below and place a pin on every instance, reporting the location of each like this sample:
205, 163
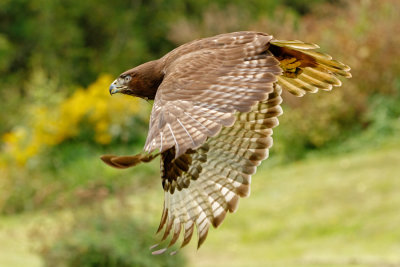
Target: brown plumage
216, 101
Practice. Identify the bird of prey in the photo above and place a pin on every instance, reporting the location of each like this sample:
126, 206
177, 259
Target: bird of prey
216, 101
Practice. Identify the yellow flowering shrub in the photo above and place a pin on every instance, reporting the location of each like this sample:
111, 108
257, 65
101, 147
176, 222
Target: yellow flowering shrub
50, 126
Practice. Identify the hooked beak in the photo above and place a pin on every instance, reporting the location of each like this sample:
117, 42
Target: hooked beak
114, 87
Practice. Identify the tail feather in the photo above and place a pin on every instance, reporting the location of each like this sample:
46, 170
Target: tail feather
123, 162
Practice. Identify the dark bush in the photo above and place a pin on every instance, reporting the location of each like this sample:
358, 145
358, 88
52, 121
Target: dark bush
104, 241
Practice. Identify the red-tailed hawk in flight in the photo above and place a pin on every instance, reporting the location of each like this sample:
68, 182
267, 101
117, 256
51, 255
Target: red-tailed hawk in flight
216, 101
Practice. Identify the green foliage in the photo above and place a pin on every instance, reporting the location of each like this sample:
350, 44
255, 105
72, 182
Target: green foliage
48, 49
326, 211
71, 176
100, 240
304, 7
325, 122
329, 210
384, 114
364, 110
73, 41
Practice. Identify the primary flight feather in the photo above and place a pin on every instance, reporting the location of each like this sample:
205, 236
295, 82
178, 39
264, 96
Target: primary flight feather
216, 101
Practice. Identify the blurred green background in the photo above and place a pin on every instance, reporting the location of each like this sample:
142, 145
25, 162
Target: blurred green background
328, 195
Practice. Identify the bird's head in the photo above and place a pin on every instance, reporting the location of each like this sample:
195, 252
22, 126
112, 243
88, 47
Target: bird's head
141, 81
124, 84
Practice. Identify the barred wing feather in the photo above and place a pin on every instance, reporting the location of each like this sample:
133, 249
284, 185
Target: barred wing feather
201, 194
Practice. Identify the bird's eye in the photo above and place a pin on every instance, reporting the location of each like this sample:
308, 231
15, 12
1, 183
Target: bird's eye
127, 78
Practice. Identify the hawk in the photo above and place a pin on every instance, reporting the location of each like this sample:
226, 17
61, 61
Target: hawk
216, 101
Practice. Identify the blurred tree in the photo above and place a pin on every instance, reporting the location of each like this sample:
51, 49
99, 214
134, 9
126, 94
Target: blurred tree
72, 41
49, 48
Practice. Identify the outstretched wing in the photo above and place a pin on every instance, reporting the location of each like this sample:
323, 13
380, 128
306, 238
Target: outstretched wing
215, 77
203, 88
202, 185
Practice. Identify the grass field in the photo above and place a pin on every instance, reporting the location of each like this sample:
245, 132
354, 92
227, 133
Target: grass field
339, 210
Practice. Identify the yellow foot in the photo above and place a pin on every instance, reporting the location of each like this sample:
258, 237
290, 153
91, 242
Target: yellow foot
290, 67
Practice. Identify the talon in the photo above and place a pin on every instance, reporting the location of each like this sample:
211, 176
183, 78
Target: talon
291, 67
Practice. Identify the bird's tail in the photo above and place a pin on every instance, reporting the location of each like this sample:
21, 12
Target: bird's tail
123, 162
306, 70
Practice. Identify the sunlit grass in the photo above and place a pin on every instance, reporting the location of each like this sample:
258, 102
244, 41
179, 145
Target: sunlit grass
341, 211
324, 211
